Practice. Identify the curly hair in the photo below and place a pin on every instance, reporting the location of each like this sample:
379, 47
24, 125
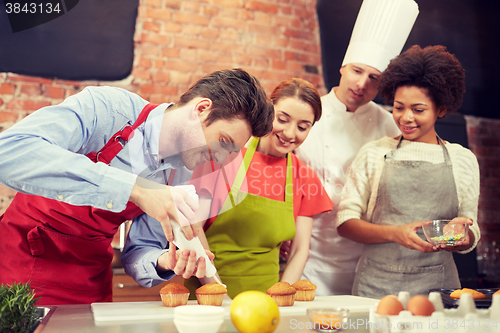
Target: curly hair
433, 68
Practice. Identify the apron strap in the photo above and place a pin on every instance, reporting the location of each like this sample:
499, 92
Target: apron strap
114, 146
289, 182
390, 154
446, 154
245, 165
242, 171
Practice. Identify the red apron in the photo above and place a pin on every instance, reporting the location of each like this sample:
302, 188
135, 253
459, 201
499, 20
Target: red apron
64, 251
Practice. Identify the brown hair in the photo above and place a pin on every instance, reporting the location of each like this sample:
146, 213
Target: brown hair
301, 89
234, 93
432, 68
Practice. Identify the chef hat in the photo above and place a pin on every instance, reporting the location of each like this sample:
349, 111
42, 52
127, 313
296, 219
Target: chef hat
380, 32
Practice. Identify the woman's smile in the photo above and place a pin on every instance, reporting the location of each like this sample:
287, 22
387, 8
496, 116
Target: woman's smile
284, 142
408, 129
292, 122
415, 113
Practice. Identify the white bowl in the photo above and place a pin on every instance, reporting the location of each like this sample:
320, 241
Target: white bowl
198, 326
198, 318
201, 311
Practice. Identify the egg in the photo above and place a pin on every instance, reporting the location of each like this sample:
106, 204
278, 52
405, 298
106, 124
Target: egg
389, 306
420, 306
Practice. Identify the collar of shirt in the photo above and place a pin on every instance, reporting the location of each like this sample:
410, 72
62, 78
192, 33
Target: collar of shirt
144, 147
335, 104
152, 132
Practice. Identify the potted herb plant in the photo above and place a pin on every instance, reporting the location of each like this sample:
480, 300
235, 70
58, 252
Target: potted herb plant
18, 311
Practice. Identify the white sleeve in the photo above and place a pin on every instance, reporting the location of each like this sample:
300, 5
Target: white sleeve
466, 174
357, 189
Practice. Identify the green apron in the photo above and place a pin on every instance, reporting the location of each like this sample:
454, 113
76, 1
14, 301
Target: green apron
246, 238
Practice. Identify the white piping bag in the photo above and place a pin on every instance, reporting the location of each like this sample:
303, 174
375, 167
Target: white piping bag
194, 244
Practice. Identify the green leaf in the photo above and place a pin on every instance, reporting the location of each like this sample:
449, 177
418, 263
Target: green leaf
17, 308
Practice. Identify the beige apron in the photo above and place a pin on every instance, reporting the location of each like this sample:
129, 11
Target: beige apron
246, 238
409, 191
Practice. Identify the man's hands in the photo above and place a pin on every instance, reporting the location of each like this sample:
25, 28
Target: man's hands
166, 203
183, 262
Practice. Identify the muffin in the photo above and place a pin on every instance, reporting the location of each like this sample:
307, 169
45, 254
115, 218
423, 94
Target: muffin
174, 294
282, 293
211, 294
475, 294
306, 290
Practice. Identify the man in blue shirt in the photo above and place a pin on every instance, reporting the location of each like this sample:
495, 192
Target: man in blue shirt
58, 229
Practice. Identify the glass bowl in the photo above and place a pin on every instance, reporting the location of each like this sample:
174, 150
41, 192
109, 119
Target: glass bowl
328, 319
445, 232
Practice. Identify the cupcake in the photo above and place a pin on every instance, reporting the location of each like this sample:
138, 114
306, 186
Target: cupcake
174, 294
282, 293
475, 294
306, 290
211, 294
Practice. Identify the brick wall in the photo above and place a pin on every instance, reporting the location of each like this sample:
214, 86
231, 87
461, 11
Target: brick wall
178, 41
484, 141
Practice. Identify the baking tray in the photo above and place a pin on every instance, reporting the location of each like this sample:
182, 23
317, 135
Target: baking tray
449, 302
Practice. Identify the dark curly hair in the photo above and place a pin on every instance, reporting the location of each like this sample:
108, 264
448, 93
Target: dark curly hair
433, 68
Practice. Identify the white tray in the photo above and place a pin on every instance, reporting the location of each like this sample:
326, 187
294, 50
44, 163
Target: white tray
132, 311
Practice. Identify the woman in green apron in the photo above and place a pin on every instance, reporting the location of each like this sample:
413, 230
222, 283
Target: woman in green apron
272, 198
395, 183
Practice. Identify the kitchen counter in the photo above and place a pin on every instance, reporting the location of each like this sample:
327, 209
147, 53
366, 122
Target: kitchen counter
79, 318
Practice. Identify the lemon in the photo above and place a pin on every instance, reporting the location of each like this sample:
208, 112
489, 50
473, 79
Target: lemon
253, 311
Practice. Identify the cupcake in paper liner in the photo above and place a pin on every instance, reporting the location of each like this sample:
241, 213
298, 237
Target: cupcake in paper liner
211, 294
174, 294
282, 293
306, 290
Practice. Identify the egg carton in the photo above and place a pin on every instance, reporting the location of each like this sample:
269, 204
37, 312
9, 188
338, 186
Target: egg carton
466, 318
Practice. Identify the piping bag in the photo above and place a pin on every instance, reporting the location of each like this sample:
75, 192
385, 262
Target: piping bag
194, 244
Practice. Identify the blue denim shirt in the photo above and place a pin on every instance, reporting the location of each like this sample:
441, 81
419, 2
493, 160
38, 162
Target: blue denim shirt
44, 154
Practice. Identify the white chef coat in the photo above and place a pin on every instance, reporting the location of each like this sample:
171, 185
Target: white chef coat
329, 149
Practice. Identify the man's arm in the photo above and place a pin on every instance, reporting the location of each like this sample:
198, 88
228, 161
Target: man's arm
145, 243
44, 154
166, 204
147, 260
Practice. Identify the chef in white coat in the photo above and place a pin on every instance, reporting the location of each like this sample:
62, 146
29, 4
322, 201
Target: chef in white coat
351, 119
